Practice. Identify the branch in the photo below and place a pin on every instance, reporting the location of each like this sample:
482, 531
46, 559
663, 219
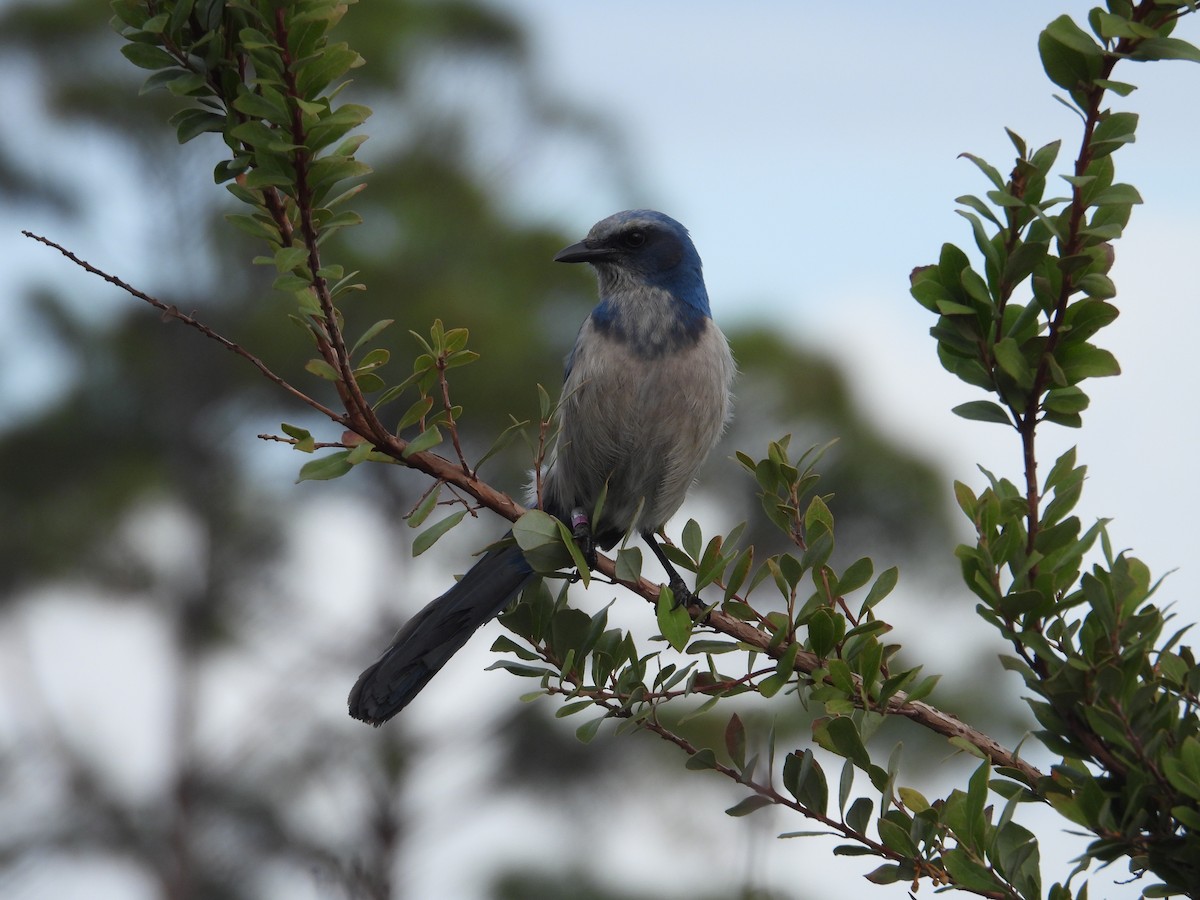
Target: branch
357, 407
502, 504
172, 312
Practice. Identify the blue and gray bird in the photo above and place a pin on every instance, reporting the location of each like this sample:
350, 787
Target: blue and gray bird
646, 395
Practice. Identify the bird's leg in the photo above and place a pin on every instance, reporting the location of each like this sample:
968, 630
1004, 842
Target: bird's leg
682, 593
581, 530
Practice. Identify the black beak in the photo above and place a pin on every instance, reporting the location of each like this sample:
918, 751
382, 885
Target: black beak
583, 252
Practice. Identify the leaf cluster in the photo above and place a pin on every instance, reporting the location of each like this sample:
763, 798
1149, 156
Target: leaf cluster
813, 646
1114, 701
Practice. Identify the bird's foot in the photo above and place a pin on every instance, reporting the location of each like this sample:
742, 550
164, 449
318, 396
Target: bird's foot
684, 596
581, 530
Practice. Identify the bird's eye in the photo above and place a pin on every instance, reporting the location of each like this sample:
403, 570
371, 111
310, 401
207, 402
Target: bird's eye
634, 239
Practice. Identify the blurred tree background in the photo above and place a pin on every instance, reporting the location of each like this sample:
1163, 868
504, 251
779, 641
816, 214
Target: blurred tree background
180, 621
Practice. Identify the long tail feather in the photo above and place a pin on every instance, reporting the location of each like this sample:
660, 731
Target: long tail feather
436, 633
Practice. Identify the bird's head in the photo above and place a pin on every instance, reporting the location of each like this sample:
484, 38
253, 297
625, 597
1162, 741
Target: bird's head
647, 248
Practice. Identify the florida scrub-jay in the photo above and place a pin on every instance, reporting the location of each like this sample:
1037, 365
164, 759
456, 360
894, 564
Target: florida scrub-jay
645, 398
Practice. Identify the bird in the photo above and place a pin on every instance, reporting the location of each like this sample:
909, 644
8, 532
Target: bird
646, 396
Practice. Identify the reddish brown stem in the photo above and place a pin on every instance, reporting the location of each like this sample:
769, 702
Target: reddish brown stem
360, 412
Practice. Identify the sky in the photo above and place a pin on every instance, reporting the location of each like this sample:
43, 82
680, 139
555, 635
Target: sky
813, 151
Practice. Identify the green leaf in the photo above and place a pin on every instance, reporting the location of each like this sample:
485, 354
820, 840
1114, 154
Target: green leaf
1012, 361
147, 56
317, 74
882, 587
288, 258
1066, 400
913, 800
629, 564
534, 529
359, 452
840, 735
178, 81
1097, 284
428, 438
587, 731
818, 516
1064, 30
741, 611
987, 169
1080, 361
254, 226
896, 837
983, 411
805, 780
820, 633
191, 123
673, 619
845, 784
1069, 55
332, 224
1166, 48
889, 873
859, 814
129, 12
569, 709
334, 465
1120, 88
967, 873
269, 105
820, 548
430, 535
704, 758
370, 333
304, 440
1119, 195
321, 369
924, 689
373, 360
712, 647
525, 671
750, 804
1110, 26
567, 541
856, 575
415, 413
692, 539
1113, 130
425, 507
330, 170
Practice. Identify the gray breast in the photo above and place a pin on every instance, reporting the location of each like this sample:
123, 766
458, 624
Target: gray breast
643, 424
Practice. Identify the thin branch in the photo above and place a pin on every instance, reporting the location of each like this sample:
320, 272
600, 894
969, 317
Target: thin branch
806, 662
173, 312
317, 445
451, 425
924, 868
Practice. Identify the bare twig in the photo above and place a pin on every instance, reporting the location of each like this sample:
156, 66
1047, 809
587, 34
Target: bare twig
173, 312
317, 445
451, 425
